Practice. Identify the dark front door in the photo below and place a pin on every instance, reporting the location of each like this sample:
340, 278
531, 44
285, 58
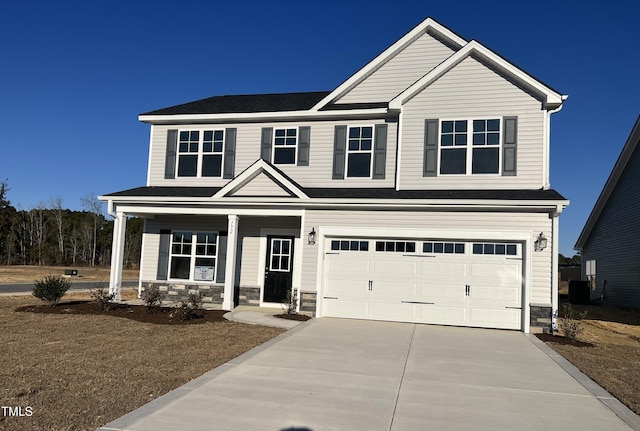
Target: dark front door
279, 263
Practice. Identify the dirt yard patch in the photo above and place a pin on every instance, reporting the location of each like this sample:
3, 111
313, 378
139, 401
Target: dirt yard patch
610, 354
81, 371
26, 274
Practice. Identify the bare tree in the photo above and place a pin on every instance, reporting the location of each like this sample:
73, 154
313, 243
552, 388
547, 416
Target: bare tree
58, 216
40, 229
93, 205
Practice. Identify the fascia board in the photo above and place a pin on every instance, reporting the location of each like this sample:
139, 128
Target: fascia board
262, 116
387, 54
552, 99
610, 185
544, 205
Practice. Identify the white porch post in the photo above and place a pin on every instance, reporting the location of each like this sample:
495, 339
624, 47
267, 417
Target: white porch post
117, 255
230, 268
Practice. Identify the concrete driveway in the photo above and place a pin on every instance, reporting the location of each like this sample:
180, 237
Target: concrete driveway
335, 374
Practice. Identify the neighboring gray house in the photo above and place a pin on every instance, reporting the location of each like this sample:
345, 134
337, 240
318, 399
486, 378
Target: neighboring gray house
416, 191
610, 240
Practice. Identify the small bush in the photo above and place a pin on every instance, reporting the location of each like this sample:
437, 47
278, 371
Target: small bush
51, 288
152, 298
102, 297
290, 303
571, 324
190, 308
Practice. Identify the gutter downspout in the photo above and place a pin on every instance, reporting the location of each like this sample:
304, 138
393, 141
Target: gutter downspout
555, 246
547, 147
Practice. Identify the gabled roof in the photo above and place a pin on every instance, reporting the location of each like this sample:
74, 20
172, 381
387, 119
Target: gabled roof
428, 25
279, 178
551, 98
610, 185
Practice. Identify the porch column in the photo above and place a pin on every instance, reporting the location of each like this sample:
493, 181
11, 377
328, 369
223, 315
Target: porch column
230, 268
117, 255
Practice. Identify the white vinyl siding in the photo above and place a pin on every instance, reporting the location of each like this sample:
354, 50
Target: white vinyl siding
464, 221
472, 90
317, 174
261, 185
397, 74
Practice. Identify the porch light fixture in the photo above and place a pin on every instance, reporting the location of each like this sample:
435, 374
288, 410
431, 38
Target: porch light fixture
311, 237
541, 243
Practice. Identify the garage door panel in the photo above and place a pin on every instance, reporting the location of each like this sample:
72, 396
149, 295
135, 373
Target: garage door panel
435, 290
393, 289
400, 268
496, 318
441, 315
352, 266
392, 311
346, 308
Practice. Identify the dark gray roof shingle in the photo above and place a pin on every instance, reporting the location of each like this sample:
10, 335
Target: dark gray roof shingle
358, 193
246, 103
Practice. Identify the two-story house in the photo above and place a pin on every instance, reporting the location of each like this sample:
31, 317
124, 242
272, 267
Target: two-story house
416, 191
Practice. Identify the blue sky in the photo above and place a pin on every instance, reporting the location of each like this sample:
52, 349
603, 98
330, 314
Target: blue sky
75, 75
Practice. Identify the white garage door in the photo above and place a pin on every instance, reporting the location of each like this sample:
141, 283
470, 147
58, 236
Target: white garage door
424, 281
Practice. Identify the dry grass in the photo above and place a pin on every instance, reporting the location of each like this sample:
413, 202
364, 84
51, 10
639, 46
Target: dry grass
79, 372
614, 360
26, 274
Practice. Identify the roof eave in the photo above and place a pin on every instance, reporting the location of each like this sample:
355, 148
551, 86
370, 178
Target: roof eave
262, 116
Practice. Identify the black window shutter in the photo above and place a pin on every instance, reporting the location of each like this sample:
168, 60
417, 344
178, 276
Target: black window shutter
229, 153
170, 160
163, 254
265, 146
303, 145
509, 146
380, 152
221, 263
430, 166
339, 151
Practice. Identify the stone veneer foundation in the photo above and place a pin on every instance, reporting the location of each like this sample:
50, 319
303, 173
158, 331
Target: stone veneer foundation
540, 320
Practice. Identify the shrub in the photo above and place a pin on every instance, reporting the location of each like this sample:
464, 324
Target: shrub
290, 303
571, 324
189, 309
152, 298
51, 288
102, 297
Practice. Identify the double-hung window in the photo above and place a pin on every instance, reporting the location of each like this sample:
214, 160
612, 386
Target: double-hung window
285, 145
470, 146
359, 152
200, 153
193, 256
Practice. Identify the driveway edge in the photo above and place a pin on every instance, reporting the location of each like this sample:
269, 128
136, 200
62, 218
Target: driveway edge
611, 402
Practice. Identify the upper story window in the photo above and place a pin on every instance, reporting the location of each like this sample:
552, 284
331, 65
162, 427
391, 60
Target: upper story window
359, 152
200, 153
285, 146
470, 147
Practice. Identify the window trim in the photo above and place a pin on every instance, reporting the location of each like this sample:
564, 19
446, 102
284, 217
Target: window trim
370, 151
193, 256
470, 146
295, 147
201, 153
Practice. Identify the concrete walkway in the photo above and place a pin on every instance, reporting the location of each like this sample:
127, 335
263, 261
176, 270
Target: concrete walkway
334, 374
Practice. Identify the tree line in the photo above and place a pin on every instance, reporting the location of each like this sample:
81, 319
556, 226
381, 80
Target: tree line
50, 234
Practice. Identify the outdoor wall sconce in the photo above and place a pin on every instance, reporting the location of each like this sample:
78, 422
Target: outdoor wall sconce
541, 243
311, 237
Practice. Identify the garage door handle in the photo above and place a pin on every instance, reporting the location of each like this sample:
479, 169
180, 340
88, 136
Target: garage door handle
370, 285
467, 290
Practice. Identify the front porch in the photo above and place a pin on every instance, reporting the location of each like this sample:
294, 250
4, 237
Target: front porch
238, 258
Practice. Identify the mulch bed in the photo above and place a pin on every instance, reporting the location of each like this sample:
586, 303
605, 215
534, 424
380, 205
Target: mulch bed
140, 313
557, 339
298, 317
